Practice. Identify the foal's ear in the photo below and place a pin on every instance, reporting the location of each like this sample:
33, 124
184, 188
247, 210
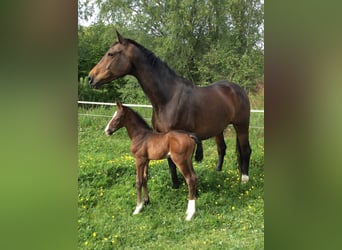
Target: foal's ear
119, 105
120, 37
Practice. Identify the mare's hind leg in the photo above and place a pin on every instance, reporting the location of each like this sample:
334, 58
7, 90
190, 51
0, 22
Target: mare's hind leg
221, 150
173, 172
243, 149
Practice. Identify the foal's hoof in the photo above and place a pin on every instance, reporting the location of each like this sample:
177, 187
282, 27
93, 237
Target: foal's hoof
138, 209
218, 168
191, 210
189, 216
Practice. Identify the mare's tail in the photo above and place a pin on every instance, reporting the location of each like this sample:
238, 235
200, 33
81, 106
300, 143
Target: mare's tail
199, 148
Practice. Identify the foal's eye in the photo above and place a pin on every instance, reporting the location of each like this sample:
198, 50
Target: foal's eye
110, 54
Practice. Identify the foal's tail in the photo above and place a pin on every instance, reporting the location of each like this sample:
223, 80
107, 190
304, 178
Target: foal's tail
199, 148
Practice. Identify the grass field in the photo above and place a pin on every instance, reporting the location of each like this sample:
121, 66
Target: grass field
229, 215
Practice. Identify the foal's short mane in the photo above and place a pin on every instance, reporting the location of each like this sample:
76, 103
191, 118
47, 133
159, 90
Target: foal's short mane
138, 117
156, 62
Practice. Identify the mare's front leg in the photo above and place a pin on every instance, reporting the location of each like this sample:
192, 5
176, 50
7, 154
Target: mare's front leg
221, 150
173, 172
140, 169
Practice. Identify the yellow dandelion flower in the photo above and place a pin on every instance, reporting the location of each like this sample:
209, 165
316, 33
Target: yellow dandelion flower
94, 234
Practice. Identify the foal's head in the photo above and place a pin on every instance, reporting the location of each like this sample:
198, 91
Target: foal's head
117, 120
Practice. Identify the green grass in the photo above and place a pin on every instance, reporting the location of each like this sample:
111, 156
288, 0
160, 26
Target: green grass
229, 215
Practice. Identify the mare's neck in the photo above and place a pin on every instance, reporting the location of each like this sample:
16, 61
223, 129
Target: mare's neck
158, 83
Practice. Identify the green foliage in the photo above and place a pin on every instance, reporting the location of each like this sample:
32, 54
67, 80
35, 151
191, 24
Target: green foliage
131, 92
108, 93
126, 90
228, 215
93, 42
202, 40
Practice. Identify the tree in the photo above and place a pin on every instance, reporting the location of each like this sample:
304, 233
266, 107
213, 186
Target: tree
202, 40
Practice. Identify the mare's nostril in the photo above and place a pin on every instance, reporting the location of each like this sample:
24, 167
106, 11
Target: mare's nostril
90, 79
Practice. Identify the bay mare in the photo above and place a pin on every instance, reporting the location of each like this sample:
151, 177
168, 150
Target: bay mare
147, 145
178, 103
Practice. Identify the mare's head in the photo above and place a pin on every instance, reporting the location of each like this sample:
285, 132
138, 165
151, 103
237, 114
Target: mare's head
117, 120
114, 64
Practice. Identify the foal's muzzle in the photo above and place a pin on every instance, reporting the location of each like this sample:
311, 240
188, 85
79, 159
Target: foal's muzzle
108, 132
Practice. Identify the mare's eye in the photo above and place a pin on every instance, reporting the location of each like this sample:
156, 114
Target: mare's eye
110, 54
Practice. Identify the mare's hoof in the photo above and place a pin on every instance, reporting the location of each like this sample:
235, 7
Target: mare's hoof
244, 179
218, 169
175, 185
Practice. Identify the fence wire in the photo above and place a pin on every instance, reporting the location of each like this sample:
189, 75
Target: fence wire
141, 106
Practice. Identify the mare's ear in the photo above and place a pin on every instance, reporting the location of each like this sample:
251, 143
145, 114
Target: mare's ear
120, 37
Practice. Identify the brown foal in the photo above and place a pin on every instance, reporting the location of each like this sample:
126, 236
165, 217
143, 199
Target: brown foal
148, 145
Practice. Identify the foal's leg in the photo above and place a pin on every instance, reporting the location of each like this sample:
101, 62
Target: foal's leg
187, 170
140, 165
173, 172
243, 149
221, 150
144, 184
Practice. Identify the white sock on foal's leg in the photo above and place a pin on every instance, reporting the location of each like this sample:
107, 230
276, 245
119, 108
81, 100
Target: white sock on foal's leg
244, 178
138, 208
191, 209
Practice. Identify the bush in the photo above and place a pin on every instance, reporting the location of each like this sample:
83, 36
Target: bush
126, 90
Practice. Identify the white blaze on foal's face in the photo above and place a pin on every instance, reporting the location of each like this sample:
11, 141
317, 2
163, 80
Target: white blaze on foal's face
108, 125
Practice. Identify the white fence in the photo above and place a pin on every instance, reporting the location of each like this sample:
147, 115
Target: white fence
143, 106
